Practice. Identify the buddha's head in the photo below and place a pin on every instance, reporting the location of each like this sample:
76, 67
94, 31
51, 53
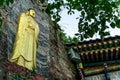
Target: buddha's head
31, 12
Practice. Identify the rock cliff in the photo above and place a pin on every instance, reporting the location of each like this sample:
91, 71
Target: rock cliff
52, 61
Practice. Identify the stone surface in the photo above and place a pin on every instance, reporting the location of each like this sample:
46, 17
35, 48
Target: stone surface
62, 68
52, 60
3, 54
43, 42
15, 69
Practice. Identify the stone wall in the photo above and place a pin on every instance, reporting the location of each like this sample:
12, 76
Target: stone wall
43, 42
60, 66
52, 61
3, 54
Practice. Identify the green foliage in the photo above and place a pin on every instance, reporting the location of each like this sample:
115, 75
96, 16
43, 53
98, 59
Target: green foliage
18, 77
42, 1
34, 71
64, 38
1, 3
68, 40
4, 3
54, 9
94, 14
9, 1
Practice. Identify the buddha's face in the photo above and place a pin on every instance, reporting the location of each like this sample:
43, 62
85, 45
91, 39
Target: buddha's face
32, 13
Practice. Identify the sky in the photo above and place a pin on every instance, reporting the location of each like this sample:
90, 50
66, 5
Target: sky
69, 24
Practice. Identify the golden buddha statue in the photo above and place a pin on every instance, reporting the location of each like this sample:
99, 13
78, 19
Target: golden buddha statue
26, 42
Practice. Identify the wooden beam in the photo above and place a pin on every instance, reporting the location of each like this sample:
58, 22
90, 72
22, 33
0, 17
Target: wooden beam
101, 63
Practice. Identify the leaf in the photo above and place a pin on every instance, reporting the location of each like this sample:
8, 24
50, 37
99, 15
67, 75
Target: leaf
54, 16
106, 33
83, 13
86, 23
42, 1
90, 33
80, 20
1, 3
70, 12
77, 34
78, 7
7, 2
57, 19
102, 37
11, 1
103, 28
75, 40
86, 36
81, 37
112, 25
118, 23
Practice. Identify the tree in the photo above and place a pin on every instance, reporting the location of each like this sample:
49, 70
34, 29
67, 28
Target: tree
94, 14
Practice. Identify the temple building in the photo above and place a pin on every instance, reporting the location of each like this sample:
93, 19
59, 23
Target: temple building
96, 59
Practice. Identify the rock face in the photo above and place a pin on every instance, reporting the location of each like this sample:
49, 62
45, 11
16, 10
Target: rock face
41, 18
60, 66
3, 54
52, 61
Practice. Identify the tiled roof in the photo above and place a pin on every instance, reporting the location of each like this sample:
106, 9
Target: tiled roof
98, 50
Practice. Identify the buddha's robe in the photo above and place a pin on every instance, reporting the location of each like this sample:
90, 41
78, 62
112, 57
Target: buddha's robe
26, 42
